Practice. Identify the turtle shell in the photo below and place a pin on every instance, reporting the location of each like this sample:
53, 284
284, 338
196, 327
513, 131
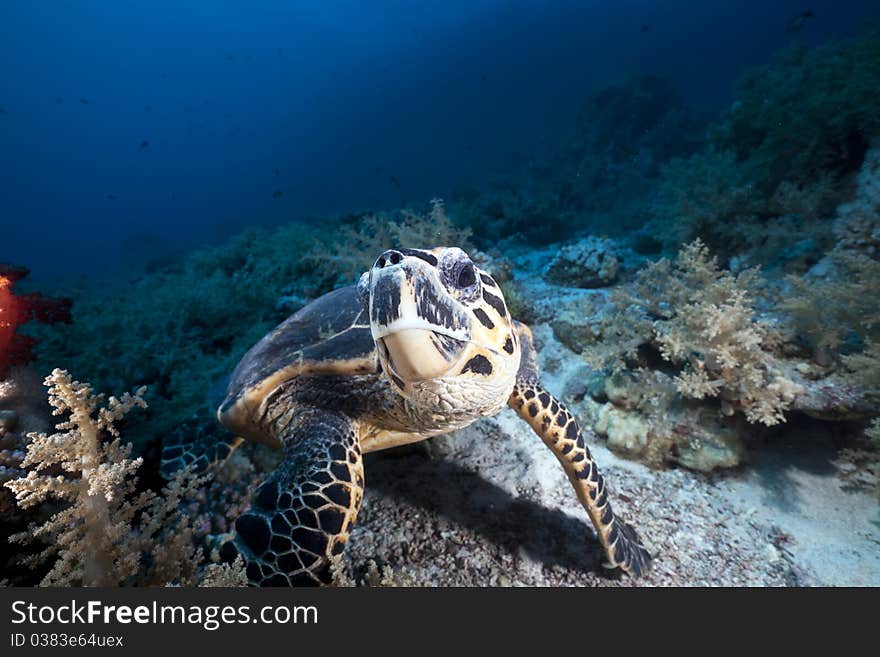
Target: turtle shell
330, 336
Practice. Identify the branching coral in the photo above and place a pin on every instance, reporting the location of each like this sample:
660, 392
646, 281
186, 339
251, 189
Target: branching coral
713, 334
825, 311
106, 533
702, 321
350, 250
225, 574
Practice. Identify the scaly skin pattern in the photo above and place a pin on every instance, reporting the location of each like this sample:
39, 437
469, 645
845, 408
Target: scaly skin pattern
302, 515
549, 418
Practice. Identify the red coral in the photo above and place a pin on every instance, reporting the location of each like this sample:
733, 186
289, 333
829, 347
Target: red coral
15, 349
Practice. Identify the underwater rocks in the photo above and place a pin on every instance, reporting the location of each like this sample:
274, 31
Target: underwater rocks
833, 399
696, 441
8, 421
573, 327
589, 263
641, 418
857, 226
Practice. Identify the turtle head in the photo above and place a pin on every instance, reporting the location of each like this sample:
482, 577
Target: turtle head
441, 327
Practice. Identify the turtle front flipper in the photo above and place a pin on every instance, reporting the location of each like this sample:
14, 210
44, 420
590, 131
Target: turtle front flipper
197, 444
559, 430
302, 514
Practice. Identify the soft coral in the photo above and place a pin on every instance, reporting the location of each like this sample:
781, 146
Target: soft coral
15, 349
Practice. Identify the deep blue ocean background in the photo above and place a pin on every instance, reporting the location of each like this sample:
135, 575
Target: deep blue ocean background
131, 131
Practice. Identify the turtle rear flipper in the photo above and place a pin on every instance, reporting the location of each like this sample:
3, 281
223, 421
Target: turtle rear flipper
196, 443
302, 514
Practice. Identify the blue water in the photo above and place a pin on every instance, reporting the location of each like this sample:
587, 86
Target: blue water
134, 130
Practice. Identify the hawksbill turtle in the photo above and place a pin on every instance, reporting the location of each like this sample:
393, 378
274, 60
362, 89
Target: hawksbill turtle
422, 345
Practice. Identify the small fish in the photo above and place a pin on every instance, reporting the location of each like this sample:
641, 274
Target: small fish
645, 27
276, 172
112, 197
145, 144
2, 109
796, 24
58, 100
277, 193
394, 181
84, 101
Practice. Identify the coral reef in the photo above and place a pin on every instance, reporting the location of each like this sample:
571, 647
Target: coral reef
12, 449
863, 370
600, 174
703, 192
857, 226
106, 533
780, 158
179, 329
710, 330
807, 113
687, 330
23, 409
852, 282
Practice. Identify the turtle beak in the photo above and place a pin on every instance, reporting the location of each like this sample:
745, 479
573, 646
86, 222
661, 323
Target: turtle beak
420, 330
414, 355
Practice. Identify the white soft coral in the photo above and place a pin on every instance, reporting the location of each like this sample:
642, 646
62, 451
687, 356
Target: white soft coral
106, 534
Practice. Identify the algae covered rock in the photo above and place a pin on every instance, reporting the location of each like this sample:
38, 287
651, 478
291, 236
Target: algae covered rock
710, 445
589, 263
627, 433
697, 441
574, 332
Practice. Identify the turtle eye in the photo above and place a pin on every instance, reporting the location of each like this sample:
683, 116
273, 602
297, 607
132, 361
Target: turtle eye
466, 276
